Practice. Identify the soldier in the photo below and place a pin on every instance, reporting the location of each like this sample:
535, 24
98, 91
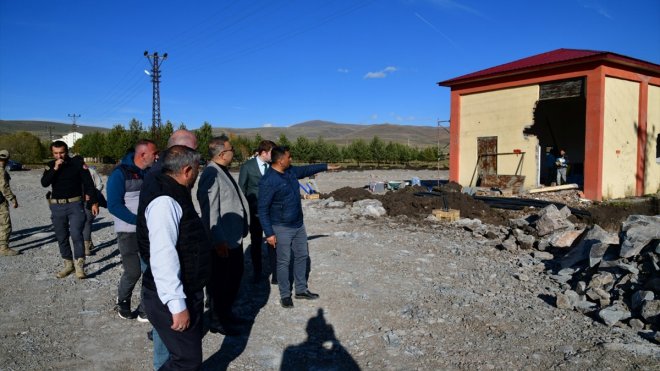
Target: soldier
6, 196
70, 180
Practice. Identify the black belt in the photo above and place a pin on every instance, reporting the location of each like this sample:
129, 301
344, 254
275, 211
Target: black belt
64, 200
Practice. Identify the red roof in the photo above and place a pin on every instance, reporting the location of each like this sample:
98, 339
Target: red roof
552, 59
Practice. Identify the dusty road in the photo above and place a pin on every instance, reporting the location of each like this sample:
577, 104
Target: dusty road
395, 295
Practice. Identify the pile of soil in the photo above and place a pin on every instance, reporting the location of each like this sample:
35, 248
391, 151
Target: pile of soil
416, 202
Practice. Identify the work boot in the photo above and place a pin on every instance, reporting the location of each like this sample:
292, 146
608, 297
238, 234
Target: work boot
6, 251
123, 309
88, 248
67, 270
80, 268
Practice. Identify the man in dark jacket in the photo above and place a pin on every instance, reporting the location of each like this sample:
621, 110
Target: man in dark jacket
70, 181
248, 179
281, 216
177, 250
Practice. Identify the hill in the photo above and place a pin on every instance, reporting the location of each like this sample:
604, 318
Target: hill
341, 134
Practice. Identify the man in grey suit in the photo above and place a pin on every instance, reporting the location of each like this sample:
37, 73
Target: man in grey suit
225, 215
248, 179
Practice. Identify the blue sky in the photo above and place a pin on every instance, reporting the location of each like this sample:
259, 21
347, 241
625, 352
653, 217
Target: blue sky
277, 63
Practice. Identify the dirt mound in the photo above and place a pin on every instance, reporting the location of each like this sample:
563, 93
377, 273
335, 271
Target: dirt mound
416, 202
610, 215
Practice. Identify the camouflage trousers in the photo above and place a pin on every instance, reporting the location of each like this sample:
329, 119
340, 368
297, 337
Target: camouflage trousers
5, 224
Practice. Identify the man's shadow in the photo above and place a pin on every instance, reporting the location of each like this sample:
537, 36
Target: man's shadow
321, 350
252, 297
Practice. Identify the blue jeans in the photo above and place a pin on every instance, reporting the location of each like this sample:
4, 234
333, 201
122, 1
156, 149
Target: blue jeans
291, 241
68, 221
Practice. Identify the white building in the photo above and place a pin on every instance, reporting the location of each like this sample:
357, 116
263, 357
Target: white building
70, 138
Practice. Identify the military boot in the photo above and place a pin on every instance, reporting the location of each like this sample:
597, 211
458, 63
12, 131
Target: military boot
88, 248
67, 270
6, 251
80, 268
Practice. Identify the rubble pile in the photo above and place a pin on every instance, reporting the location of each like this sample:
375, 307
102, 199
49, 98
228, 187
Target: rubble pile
612, 277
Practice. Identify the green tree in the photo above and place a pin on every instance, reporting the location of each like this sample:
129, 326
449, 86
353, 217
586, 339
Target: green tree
135, 131
204, 135
302, 149
283, 141
182, 126
377, 150
358, 150
118, 143
23, 147
92, 145
333, 154
165, 134
428, 154
391, 153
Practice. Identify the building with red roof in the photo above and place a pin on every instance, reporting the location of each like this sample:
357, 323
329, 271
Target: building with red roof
508, 123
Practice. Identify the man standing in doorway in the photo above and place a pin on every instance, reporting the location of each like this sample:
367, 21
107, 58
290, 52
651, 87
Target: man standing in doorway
281, 215
248, 179
226, 217
70, 182
123, 197
562, 164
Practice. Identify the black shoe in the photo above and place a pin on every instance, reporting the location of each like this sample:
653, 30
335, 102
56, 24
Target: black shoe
286, 302
150, 335
307, 295
273, 281
224, 330
123, 309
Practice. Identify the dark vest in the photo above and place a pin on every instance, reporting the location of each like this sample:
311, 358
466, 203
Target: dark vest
193, 245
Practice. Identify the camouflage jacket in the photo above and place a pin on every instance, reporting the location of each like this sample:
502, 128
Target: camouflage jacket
5, 191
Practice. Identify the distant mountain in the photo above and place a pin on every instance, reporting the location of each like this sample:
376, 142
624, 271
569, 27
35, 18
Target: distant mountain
341, 134
44, 129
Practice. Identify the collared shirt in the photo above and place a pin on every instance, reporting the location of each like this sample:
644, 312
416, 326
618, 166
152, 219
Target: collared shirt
163, 216
261, 164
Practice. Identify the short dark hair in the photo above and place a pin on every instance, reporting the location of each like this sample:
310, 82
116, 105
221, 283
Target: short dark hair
143, 142
265, 146
278, 152
178, 157
59, 144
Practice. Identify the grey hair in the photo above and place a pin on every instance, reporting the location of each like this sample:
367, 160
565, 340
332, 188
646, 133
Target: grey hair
178, 157
217, 145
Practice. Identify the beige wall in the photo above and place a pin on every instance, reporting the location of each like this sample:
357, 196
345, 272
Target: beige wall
652, 179
504, 114
620, 138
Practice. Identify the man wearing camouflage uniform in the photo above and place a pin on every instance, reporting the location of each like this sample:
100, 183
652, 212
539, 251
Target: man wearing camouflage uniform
6, 196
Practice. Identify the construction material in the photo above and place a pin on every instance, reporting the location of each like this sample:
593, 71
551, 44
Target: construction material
511, 183
449, 215
562, 187
313, 196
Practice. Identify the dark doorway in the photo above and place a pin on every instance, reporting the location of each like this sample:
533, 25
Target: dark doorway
559, 123
486, 157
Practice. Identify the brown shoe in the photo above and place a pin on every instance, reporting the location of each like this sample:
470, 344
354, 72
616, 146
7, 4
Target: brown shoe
80, 268
67, 270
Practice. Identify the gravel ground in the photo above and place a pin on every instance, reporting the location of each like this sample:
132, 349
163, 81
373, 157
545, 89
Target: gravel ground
396, 294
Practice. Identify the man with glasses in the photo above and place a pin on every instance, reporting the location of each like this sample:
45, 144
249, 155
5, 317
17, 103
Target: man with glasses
225, 215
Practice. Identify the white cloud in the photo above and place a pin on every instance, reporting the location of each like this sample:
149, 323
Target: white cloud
374, 116
267, 125
343, 70
380, 74
597, 7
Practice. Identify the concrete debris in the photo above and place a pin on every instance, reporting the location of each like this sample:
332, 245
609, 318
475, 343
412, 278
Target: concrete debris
640, 297
581, 251
639, 231
651, 312
552, 219
613, 314
564, 239
368, 208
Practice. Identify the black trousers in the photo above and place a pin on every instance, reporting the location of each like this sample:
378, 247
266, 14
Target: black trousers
225, 282
256, 245
185, 347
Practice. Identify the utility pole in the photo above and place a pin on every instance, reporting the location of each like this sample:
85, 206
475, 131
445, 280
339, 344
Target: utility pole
74, 127
155, 61
49, 129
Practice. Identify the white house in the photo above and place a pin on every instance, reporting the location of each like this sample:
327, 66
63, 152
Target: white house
70, 138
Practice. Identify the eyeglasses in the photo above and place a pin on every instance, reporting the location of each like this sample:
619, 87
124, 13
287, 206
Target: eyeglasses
228, 150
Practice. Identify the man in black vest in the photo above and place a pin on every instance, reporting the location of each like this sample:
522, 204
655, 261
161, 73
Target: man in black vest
176, 248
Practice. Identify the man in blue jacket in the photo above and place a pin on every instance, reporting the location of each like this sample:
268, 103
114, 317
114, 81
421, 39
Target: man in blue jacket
123, 196
281, 216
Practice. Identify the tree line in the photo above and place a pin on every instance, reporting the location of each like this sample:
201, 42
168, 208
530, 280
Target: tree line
110, 147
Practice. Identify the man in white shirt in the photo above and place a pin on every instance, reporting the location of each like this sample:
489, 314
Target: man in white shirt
177, 250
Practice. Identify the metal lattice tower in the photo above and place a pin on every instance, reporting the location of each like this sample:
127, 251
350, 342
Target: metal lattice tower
155, 61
